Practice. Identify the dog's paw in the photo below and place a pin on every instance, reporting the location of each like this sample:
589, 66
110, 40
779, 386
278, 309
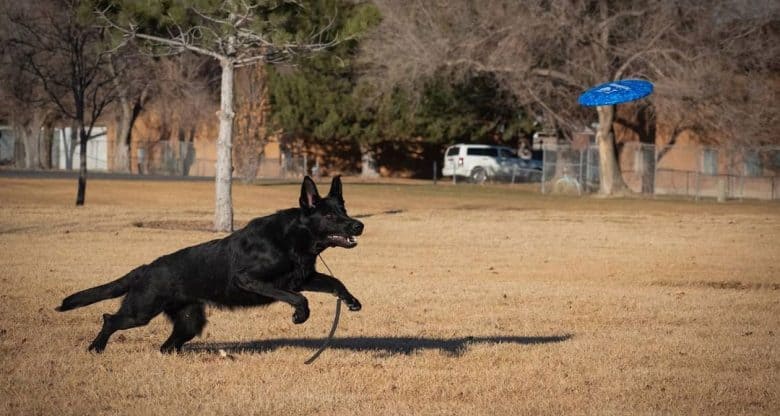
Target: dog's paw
353, 304
301, 315
95, 348
169, 349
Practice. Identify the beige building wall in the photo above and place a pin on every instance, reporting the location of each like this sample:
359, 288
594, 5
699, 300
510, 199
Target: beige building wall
147, 136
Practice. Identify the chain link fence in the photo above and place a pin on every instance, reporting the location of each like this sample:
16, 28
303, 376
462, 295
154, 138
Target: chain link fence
690, 170
180, 159
718, 172
569, 170
283, 167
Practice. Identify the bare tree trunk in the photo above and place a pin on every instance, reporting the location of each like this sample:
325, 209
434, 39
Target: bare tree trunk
367, 162
70, 146
46, 149
611, 178
128, 112
82, 189
186, 150
121, 141
223, 214
19, 155
121, 157
32, 145
29, 139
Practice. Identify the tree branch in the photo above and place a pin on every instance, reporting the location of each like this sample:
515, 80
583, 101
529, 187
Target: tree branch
177, 43
640, 53
560, 76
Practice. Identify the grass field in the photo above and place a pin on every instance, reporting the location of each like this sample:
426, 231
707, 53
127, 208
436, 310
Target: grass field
476, 301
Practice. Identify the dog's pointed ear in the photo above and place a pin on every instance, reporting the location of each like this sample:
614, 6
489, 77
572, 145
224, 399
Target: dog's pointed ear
335, 189
309, 195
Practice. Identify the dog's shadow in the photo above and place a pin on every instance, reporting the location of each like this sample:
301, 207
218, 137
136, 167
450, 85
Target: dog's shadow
380, 345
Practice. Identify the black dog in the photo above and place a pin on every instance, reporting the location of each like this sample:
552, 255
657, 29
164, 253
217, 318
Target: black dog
271, 259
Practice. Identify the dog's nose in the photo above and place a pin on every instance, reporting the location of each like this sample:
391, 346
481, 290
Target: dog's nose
357, 228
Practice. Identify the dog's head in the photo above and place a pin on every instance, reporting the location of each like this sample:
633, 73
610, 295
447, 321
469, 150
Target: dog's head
327, 217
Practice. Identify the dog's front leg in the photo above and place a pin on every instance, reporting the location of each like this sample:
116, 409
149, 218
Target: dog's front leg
319, 282
296, 300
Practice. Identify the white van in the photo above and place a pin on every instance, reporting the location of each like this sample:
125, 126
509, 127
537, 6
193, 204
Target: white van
480, 162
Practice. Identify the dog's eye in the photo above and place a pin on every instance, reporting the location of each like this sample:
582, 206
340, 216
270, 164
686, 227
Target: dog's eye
330, 216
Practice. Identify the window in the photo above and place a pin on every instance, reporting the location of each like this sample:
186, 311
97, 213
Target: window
507, 153
483, 151
453, 151
709, 162
752, 163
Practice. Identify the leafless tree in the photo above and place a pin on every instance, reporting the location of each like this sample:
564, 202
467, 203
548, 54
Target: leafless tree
27, 109
67, 55
234, 35
252, 108
181, 103
135, 78
730, 94
26, 106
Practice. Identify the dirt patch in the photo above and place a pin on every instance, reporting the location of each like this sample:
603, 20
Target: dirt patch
175, 225
184, 225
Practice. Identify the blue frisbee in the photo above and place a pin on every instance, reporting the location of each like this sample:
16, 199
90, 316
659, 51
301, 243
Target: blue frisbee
616, 92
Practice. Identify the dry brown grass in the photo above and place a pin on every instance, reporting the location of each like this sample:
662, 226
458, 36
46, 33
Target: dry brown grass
476, 301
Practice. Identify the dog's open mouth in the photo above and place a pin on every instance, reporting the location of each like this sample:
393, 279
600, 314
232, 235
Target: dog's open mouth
346, 241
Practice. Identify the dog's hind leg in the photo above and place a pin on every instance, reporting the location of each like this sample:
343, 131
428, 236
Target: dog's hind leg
135, 311
187, 323
113, 323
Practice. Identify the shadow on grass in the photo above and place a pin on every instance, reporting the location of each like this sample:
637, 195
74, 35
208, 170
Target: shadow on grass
381, 345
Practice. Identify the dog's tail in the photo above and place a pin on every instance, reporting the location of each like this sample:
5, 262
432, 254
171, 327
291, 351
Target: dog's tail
107, 291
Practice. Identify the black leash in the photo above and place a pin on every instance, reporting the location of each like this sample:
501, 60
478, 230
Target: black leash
335, 323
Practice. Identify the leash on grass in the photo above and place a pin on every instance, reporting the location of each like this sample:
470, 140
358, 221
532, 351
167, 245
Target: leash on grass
333, 328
